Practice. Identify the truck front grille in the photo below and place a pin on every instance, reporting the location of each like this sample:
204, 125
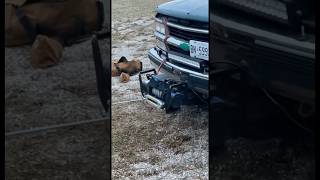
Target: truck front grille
178, 50
187, 35
183, 31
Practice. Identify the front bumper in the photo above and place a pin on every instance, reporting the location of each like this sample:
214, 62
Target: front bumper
197, 81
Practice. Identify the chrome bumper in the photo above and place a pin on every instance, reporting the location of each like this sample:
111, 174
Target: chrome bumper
153, 56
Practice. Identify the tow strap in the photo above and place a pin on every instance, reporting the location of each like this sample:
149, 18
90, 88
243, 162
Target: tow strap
166, 36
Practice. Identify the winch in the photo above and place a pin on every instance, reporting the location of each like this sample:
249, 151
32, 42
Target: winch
163, 92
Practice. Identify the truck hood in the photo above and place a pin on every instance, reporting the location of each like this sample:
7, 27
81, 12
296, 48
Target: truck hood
196, 10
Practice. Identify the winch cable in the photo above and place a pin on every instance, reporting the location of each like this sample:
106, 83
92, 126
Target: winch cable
199, 97
265, 91
65, 125
46, 128
124, 102
166, 36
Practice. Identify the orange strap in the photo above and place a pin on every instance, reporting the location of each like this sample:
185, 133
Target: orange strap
166, 36
160, 66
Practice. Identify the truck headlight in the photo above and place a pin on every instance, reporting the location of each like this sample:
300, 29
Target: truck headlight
159, 27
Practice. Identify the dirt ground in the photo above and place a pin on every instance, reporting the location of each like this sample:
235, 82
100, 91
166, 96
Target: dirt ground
61, 94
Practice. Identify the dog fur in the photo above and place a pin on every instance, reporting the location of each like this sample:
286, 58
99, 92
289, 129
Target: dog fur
124, 66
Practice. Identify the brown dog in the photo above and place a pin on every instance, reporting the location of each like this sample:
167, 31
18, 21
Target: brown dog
124, 66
